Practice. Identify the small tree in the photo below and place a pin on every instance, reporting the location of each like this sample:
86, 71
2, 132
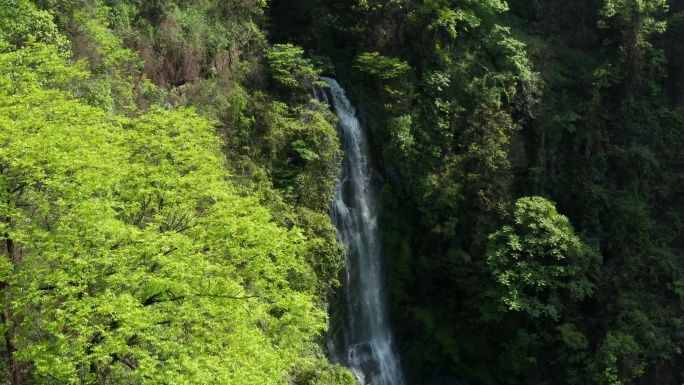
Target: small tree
288, 68
538, 264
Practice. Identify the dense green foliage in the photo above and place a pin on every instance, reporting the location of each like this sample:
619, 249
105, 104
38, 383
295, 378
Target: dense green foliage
479, 108
133, 249
165, 181
539, 264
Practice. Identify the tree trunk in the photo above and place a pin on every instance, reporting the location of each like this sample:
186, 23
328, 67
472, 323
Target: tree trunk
7, 317
6, 314
95, 369
9, 342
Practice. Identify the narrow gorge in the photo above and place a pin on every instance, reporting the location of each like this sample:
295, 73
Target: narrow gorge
368, 343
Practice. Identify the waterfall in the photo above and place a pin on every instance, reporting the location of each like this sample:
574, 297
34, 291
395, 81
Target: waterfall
368, 348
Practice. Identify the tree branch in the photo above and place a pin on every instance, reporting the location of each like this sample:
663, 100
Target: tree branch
129, 363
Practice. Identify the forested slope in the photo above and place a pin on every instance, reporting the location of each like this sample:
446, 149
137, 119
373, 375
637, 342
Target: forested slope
165, 182
478, 109
164, 187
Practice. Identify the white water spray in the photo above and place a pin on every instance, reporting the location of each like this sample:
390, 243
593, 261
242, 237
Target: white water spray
368, 349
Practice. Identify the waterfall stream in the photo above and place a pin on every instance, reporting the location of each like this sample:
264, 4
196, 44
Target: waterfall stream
368, 348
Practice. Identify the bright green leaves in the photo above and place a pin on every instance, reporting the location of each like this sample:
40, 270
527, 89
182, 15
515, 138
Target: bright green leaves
450, 18
393, 75
288, 68
381, 66
59, 161
400, 130
329, 374
34, 67
114, 67
21, 21
447, 18
515, 81
135, 260
302, 148
635, 13
138, 258
539, 266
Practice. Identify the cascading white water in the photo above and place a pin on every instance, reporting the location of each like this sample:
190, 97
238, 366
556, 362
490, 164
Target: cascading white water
368, 349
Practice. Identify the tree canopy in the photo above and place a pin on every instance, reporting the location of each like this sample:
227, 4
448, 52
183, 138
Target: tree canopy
166, 179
